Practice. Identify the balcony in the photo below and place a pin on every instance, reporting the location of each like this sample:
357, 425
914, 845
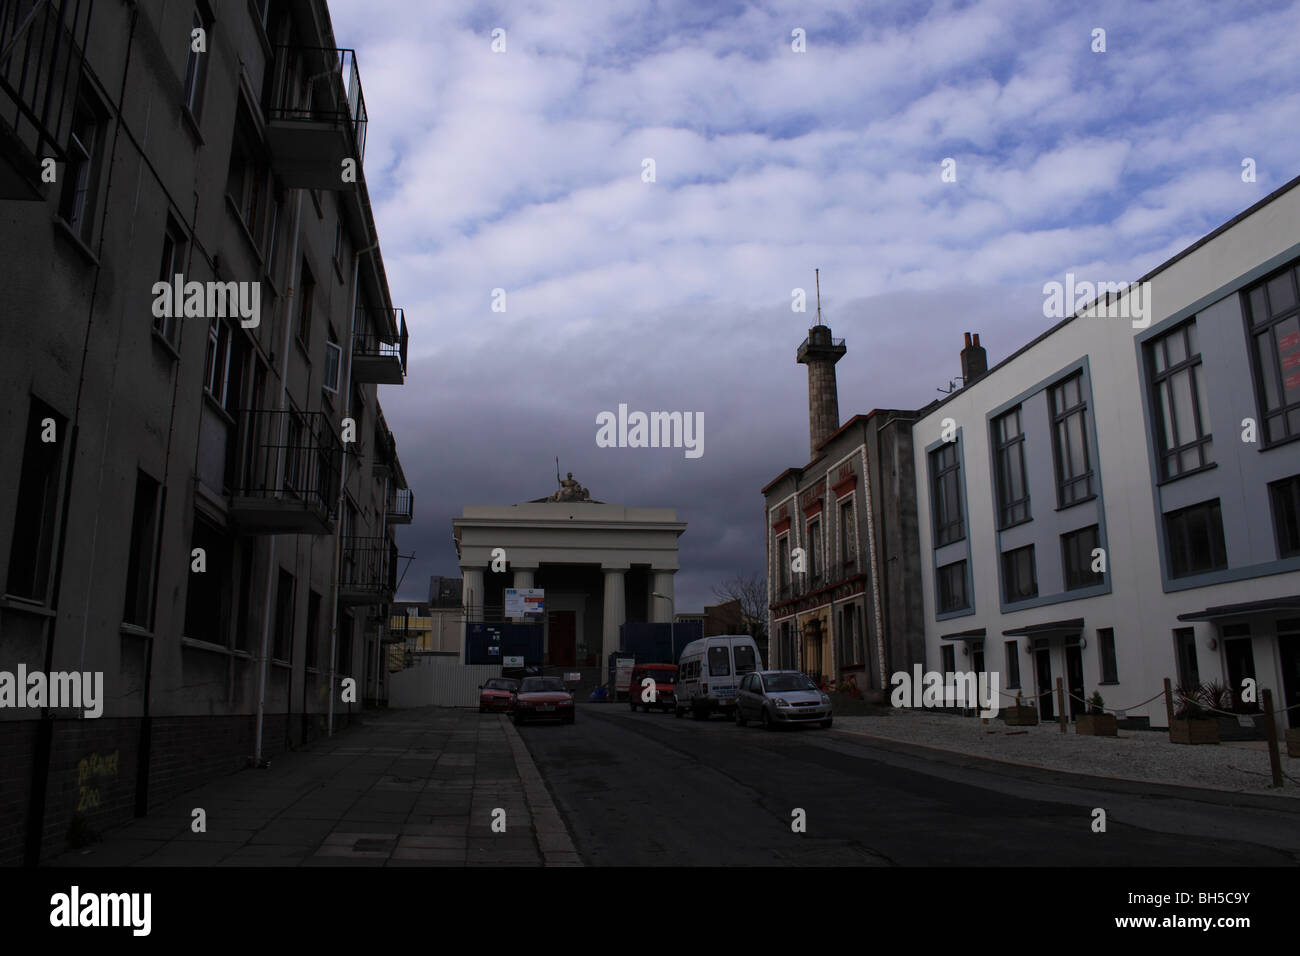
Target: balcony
285, 474
317, 116
379, 358
367, 571
401, 506
42, 46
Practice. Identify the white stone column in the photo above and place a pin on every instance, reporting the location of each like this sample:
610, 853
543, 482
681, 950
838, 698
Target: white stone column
522, 578
661, 611
471, 602
615, 612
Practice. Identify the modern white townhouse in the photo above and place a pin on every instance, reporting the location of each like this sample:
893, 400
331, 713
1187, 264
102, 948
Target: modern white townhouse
1119, 500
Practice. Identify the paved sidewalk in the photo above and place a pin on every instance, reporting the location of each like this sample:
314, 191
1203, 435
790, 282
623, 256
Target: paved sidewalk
400, 788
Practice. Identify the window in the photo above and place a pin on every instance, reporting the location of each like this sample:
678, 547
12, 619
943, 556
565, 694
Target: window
207, 600
284, 594
850, 646
948, 659
1013, 664
847, 532
246, 179
1182, 423
216, 374
81, 177
814, 551
1019, 577
744, 659
196, 66
1195, 537
306, 290
1009, 455
1070, 441
273, 227
313, 628
36, 511
1189, 674
783, 564
172, 265
1106, 652
719, 661
944, 478
1285, 496
952, 587
1273, 310
333, 361
1077, 560
140, 580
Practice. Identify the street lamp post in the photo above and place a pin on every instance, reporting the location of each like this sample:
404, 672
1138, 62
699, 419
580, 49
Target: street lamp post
672, 621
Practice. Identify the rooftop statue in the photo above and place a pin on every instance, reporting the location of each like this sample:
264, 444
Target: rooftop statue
570, 490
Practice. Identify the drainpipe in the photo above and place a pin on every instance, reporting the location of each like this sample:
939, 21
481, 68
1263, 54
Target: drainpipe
265, 659
343, 477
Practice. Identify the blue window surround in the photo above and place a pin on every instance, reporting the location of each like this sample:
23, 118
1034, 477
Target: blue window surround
965, 528
1079, 365
1278, 566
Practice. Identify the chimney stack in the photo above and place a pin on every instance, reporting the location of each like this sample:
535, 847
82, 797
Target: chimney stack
974, 360
820, 352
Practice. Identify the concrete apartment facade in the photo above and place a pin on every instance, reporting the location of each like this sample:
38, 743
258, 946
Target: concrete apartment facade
200, 506
1165, 444
842, 563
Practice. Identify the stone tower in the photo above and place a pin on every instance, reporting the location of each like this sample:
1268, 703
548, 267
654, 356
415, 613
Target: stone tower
820, 352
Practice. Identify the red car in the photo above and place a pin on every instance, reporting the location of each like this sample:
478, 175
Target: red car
665, 678
543, 697
497, 694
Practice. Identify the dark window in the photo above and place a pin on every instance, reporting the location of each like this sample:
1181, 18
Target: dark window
246, 179
1070, 441
948, 659
719, 661
313, 629
333, 361
196, 66
1009, 453
783, 564
306, 291
1273, 310
1285, 495
216, 372
1013, 664
81, 176
1189, 674
952, 587
1019, 576
846, 532
138, 608
945, 476
744, 658
172, 265
36, 511
1195, 538
1106, 651
284, 595
1076, 553
1182, 423
814, 551
207, 602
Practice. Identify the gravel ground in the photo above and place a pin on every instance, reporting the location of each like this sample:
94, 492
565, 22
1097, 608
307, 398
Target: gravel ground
1133, 755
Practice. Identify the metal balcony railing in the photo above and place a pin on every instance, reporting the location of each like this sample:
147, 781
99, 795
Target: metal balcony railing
379, 356
401, 506
320, 84
368, 569
287, 462
42, 47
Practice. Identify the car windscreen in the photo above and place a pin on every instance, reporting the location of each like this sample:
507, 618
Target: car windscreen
499, 684
719, 661
536, 685
744, 658
776, 683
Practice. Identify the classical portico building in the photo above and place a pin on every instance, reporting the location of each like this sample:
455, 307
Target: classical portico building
599, 564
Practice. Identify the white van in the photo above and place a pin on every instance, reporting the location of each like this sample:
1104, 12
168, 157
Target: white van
709, 672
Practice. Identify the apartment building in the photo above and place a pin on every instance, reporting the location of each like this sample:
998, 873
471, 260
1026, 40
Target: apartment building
1118, 502
200, 493
842, 562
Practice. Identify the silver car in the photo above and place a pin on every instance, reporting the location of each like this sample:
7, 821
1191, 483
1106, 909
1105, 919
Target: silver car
781, 697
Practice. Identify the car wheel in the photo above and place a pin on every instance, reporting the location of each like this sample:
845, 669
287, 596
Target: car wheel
766, 720
825, 724
740, 718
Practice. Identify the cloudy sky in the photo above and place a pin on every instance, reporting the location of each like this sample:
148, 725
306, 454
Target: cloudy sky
522, 171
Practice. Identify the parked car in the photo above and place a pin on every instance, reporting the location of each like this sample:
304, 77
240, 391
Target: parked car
709, 671
781, 697
543, 697
665, 678
497, 693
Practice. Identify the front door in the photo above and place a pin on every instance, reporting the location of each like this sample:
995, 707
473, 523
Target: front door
1043, 664
561, 645
1289, 646
1240, 659
1074, 679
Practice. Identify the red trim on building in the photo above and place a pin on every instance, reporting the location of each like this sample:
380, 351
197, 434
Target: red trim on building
844, 487
782, 526
813, 509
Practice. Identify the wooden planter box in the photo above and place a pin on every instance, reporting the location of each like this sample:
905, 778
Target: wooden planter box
1194, 731
1293, 742
1099, 725
1021, 716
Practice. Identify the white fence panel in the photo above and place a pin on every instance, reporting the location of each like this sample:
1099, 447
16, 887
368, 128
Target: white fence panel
439, 682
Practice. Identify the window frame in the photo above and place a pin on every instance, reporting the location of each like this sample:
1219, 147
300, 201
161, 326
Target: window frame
1004, 447
1061, 415
1011, 651
196, 65
1107, 655
1161, 387
1084, 577
1213, 506
939, 581
940, 473
52, 479
1008, 559
1258, 329
79, 197
1277, 490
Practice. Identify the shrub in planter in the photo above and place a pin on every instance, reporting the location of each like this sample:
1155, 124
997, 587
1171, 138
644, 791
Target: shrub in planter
1096, 722
1192, 723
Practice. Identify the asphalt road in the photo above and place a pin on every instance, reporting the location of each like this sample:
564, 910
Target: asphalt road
649, 789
